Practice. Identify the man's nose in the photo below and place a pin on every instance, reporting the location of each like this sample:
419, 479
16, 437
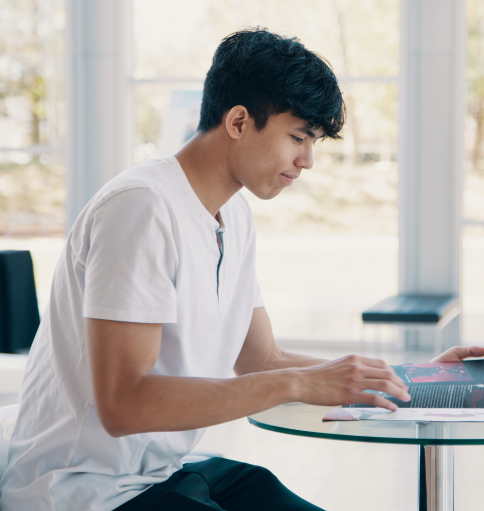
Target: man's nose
306, 159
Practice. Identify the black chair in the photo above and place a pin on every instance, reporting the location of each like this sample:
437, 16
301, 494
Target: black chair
19, 310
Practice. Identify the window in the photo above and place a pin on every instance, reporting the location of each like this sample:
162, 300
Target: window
327, 247
473, 232
31, 118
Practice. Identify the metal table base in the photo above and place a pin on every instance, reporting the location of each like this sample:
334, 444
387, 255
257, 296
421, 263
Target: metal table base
436, 478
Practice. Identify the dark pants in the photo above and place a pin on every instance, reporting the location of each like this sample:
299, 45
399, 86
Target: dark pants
220, 484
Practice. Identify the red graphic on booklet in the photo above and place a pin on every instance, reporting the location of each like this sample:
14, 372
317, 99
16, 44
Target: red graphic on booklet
437, 372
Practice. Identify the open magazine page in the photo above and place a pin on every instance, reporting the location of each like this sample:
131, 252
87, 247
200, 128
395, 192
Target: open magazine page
454, 392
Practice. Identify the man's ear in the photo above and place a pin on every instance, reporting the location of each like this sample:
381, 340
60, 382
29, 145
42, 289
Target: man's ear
237, 121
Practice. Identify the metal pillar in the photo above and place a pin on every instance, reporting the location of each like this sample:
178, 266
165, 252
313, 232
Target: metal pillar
99, 138
436, 478
431, 148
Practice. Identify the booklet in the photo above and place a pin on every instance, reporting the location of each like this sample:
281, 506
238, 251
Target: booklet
453, 390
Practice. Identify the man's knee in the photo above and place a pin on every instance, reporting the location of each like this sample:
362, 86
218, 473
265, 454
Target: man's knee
261, 475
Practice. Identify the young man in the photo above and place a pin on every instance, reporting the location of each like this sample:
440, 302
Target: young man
155, 302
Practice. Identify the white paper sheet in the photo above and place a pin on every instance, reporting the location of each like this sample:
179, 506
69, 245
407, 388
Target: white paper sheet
419, 414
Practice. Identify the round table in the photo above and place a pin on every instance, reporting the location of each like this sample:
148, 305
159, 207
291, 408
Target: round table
436, 441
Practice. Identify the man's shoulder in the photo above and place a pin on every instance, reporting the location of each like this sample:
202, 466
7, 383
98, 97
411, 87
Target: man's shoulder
151, 174
149, 179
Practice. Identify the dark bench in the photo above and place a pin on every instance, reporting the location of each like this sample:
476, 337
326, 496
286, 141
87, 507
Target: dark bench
415, 311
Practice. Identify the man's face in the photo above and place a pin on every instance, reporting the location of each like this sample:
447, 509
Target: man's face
267, 161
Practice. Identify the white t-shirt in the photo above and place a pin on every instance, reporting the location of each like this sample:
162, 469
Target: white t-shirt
144, 250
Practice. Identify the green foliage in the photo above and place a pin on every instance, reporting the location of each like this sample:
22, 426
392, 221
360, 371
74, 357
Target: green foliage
475, 49
148, 113
475, 76
31, 189
182, 44
177, 40
30, 46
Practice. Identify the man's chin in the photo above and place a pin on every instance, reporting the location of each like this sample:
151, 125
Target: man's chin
266, 194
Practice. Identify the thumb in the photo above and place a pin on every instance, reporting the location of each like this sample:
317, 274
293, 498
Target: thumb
474, 351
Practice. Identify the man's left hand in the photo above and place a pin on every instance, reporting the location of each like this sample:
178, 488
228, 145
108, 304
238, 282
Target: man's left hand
459, 353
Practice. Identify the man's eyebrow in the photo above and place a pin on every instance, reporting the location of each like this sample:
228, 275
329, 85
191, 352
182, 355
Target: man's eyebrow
308, 131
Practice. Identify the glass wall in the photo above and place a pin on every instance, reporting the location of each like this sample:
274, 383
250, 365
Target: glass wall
32, 120
32, 124
473, 232
327, 247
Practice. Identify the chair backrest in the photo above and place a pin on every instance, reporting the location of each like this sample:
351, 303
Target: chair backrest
19, 310
8, 417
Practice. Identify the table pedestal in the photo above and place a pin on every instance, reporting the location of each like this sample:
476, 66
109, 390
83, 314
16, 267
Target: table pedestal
436, 478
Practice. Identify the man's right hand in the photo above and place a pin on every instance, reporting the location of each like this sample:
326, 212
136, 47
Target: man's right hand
343, 381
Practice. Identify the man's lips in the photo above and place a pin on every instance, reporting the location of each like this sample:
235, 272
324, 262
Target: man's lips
288, 179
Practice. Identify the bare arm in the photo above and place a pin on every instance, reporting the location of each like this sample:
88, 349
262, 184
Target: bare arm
131, 399
261, 352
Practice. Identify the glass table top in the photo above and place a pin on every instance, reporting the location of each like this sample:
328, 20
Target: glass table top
306, 420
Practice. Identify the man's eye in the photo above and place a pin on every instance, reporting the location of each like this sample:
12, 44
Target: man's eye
297, 139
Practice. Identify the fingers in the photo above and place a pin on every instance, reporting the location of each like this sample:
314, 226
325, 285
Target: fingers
475, 351
370, 362
345, 380
458, 353
371, 374
389, 388
369, 368
378, 401
357, 362
454, 354
385, 374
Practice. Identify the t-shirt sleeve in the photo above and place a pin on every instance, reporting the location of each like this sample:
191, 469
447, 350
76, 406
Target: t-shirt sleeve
131, 264
258, 301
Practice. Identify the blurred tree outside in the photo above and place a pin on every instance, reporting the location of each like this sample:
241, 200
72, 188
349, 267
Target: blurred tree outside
476, 81
31, 115
474, 176
176, 42
352, 187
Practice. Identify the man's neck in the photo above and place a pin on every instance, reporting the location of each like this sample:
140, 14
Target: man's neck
205, 162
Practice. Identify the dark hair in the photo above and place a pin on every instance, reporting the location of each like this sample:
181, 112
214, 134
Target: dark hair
271, 74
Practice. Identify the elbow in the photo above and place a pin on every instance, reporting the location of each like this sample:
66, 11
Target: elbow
114, 430
115, 421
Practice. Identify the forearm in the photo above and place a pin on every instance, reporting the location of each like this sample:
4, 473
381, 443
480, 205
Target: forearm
166, 403
276, 359
286, 359
261, 352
